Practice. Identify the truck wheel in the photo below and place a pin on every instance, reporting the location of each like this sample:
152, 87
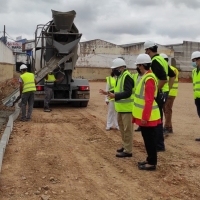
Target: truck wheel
84, 103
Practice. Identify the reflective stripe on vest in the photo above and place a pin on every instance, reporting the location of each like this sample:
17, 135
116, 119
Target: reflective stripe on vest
174, 89
50, 81
28, 82
123, 105
139, 100
164, 64
196, 83
111, 81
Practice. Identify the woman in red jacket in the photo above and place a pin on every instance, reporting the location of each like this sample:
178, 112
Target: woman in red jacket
145, 110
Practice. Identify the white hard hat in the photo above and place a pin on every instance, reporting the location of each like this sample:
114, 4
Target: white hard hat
148, 44
163, 55
23, 66
118, 62
195, 54
143, 59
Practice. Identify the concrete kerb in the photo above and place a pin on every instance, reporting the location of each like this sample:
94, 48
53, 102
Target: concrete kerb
8, 130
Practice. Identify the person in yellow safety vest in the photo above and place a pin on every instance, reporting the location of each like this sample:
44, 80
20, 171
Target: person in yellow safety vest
112, 114
161, 70
136, 77
170, 100
123, 95
145, 111
195, 57
27, 88
48, 89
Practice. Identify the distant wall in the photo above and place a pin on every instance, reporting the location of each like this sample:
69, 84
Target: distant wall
6, 71
94, 73
7, 62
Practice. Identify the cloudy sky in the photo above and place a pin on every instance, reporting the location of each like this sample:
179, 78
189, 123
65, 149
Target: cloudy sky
116, 21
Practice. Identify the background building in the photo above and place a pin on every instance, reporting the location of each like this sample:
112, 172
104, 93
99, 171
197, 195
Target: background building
95, 57
7, 62
182, 54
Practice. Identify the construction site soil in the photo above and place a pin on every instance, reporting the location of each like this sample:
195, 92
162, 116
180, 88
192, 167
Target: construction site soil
68, 154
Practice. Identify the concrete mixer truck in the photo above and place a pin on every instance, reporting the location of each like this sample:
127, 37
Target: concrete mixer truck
56, 51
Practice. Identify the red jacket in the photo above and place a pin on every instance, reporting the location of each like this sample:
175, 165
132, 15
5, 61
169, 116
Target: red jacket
149, 98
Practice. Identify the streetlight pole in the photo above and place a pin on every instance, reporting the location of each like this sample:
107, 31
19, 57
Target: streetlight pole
4, 35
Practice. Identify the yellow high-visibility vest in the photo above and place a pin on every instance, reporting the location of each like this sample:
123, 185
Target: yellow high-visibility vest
135, 77
139, 99
123, 105
111, 81
28, 82
50, 81
196, 83
164, 64
174, 90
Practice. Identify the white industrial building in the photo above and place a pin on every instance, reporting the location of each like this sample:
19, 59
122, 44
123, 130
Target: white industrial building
182, 54
99, 53
95, 57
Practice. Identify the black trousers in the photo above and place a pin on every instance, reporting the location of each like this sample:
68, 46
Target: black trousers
149, 137
197, 103
159, 128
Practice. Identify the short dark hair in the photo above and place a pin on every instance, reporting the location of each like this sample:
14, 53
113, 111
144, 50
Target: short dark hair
154, 49
23, 70
147, 66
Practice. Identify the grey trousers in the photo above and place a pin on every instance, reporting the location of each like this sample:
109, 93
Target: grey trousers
48, 96
27, 98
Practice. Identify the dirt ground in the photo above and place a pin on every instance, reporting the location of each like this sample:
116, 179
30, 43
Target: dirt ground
68, 154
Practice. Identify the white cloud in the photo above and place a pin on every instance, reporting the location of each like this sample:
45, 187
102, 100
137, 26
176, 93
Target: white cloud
115, 21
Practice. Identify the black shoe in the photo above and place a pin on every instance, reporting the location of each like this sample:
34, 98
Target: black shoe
197, 139
144, 167
47, 110
120, 150
138, 129
142, 163
160, 150
167, 131
123, 155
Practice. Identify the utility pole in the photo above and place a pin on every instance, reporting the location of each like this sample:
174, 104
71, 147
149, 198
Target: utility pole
4, 35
